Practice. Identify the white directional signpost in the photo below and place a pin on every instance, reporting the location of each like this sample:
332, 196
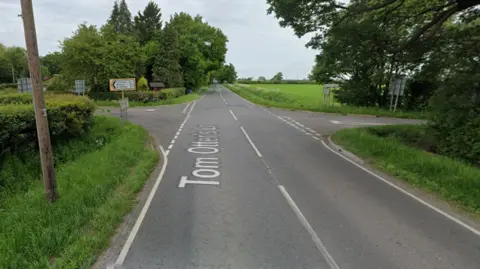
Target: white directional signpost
326, 93
80, 87
123, 84
24, 85
397, 88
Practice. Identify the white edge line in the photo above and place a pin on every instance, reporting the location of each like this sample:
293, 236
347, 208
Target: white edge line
138, 223
186, 107
233, 115
331, 262
441, 212
251, 142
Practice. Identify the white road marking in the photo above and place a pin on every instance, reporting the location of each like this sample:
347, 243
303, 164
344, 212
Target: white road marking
178, 133
133, 232
186, 107
335, 122
167, 152
251, 142
331, 262
316, 138
233, 115
201, 97
425, 203
151, 109
184, 181
175, 138
173, 142
170, 146
191, 108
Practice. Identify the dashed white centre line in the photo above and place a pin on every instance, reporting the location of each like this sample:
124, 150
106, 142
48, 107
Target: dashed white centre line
331, 262
251, 142
233, 115
186, 107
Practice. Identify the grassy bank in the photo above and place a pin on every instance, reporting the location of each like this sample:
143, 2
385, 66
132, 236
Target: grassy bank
404, 157
172, 101
98, 176
307, 97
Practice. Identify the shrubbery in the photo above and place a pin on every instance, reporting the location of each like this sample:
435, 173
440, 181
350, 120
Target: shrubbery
455, 121
142, 84
68, 116
148, 96
8, 85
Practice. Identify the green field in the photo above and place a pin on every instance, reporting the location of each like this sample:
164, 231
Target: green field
307, 97
308, 94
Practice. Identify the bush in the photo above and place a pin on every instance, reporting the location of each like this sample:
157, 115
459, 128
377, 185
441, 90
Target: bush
148, 96
8, 85
15, 98
142, 85
455, 117
68, 116
59, 84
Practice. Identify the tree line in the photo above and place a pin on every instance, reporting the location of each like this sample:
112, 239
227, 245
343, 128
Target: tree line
184, 51
364, 43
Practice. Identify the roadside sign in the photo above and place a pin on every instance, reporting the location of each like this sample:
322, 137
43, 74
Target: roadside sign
124, 108
326, 93
24, 85
397, 86
124, 103
80, 87
122, 84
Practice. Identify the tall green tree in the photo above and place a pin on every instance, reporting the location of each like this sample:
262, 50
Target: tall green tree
278, 77
167, 67
203, 48
148, 23
99, 55
121, 18
52, 62
226, 74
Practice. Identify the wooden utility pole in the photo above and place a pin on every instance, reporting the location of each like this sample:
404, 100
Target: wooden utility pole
46, 158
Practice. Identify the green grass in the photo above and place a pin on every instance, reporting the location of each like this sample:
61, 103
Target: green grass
179, 100
97, 185
306, 97
449, 179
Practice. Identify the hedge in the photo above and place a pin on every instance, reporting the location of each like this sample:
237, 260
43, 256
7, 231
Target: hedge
148, 96
68, 116
8, 85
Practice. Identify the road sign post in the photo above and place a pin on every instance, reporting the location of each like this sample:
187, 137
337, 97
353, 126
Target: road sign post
397, 88
41, 120
80, 87
123, 84
326, 93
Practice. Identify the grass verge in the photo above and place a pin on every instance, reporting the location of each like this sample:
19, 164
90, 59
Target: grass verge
286, 100
450, 179
173, 101
97, 187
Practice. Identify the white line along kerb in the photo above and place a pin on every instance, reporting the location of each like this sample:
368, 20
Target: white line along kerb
441, 212
133, 232
306, 224
251, 142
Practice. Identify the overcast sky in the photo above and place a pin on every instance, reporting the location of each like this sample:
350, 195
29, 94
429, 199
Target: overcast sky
257, 46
